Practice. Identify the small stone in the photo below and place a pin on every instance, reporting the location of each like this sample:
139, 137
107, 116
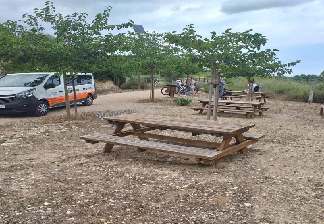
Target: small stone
247, 204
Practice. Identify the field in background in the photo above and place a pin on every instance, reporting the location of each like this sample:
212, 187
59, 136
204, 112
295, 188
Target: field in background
286, 89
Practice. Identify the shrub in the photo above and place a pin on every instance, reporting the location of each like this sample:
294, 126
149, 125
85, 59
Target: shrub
135, 84
183, 101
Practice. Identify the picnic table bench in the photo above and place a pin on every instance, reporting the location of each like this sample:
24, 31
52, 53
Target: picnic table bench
233, 137
248, 108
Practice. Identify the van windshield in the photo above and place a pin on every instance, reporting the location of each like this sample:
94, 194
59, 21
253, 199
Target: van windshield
22, 80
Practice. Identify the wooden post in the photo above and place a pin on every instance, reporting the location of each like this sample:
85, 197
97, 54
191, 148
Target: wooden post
74, 98
311, 96
209, 101
322, 111
66, 97
152, 83
216, 77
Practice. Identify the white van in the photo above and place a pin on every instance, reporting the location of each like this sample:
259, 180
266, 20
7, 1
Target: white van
36, 93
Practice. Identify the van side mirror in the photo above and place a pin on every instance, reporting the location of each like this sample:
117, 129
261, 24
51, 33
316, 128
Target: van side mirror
49, 86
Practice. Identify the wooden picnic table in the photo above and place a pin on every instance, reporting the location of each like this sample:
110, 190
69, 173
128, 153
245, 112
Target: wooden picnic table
248, 108
234, 137
260, 96
205, 102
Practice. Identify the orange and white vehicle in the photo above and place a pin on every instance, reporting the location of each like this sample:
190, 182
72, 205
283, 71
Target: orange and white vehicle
38, 92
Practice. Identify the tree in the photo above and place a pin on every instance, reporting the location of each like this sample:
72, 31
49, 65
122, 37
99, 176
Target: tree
230, 54
77, 45
148, 52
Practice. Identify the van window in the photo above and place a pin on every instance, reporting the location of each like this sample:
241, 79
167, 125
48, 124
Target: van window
22, 80
54, 80
84, 79
80, 80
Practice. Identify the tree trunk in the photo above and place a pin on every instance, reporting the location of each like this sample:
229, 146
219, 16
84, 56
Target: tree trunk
152, 84
209, 101
74, 99
216, 77
311, 96
66, 96
250, 95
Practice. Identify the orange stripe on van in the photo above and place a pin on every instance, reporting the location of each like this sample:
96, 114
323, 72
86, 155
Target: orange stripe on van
61, 99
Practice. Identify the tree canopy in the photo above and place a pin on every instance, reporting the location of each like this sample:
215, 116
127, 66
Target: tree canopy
234, 53
48, 40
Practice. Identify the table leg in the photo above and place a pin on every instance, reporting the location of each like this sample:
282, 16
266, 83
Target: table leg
137, 127
119, 128
108, 147
239, 138
226, 142
260, 110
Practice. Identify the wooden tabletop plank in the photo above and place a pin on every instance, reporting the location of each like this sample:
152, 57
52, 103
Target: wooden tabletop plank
234, 102
163, 122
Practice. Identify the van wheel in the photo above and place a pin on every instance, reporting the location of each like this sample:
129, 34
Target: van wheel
88, 101
41, 108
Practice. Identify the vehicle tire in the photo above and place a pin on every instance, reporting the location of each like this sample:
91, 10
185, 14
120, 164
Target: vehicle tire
165, 91
41, 109
88, 101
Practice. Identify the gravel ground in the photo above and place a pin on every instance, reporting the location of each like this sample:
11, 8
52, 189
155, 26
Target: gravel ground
48, 175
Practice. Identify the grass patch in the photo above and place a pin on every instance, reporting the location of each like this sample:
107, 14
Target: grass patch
183, 101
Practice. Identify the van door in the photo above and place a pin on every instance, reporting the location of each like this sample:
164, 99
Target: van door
55, 90
84, 85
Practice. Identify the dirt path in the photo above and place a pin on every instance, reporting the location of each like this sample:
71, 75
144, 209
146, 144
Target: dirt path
114, 101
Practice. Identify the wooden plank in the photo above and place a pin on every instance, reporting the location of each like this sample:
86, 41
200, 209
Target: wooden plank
236, 106
251, 136
133, 132
236, 111
240, 102
235, 102
180, 141
246, 109
247, 113
154, 146
203, 126
234, 149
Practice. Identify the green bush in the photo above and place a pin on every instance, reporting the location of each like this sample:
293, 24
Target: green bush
319, 93
183, 101
135, 84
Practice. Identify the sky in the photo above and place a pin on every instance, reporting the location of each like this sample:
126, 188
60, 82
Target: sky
295, 27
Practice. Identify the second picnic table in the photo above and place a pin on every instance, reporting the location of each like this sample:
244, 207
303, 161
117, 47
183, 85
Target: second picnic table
240, 95
248, 108
234, 137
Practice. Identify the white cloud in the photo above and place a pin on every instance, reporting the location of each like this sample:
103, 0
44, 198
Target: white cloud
237, 6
